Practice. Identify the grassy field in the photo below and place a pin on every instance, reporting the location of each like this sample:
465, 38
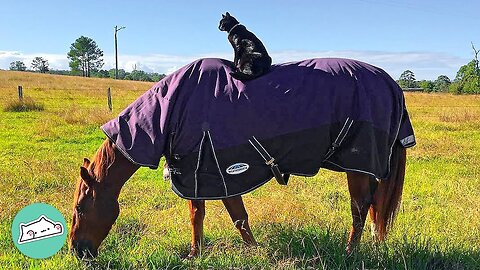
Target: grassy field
302, 225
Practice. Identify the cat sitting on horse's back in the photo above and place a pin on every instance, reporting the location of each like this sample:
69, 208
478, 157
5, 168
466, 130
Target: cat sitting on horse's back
250, 56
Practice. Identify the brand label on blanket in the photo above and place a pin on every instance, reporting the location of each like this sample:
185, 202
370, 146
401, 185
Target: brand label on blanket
237, 168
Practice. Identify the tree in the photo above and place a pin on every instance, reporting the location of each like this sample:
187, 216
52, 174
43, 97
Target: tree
18, 66
407, 79
156, 76
427, 85
476, 52
121, 73
85, 56
468, 77
138, 75
102, 73
441, 84
40, 64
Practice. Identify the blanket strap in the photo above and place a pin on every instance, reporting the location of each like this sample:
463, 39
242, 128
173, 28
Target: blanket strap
341, 136
270, 161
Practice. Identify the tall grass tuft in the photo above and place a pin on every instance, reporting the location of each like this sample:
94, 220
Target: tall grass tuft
92, 116
25, 105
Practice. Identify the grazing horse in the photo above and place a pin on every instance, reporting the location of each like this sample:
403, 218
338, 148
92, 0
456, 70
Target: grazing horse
223, 138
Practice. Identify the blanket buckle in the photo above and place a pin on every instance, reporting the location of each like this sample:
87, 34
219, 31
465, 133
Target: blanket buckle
269, 161
340, 137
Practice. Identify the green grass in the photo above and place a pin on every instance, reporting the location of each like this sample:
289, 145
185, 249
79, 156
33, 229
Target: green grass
303, 225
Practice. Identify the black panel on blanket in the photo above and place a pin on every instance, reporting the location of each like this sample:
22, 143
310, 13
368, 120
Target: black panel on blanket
296, 111
298, 153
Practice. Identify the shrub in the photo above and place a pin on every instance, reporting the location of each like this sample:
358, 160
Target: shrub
26, 105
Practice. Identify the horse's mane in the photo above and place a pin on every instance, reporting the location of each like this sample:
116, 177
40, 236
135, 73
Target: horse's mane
98, 168
102, 160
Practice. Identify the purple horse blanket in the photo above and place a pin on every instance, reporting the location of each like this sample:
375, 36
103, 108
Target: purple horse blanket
338, 114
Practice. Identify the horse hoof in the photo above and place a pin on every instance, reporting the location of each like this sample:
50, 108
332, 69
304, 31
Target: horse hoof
193, 254
251, 243
349, 250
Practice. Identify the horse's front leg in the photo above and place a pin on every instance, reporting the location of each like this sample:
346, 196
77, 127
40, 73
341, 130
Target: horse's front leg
197, 214
361, 188
238, 214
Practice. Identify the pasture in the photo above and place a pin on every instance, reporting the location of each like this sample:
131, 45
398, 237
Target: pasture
302, 225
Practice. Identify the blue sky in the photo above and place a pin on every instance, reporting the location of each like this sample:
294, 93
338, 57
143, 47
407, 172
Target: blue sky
428, 37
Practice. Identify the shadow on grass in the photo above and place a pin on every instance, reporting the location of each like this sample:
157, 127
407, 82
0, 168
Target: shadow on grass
285, 247
324, 249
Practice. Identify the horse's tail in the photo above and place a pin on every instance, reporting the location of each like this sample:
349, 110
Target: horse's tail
388, 194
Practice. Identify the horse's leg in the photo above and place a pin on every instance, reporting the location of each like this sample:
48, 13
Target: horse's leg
361, 198
373, 218
239, 216
197, 214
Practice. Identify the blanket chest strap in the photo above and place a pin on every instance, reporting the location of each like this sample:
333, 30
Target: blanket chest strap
341, 136
270, 161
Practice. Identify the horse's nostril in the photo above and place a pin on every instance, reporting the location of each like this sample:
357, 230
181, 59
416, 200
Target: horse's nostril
83, 249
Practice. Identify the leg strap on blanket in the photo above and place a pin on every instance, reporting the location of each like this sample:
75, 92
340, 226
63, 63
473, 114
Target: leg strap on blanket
270, 161
341, 136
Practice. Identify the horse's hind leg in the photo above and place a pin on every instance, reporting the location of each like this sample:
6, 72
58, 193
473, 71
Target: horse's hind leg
197, 214
361, 197
239, 216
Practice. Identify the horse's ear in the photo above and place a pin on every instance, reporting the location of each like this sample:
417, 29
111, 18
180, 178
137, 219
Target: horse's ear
86, 177
227, 14
86, 162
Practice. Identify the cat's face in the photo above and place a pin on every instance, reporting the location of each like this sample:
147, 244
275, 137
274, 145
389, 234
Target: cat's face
39, 229
227, 22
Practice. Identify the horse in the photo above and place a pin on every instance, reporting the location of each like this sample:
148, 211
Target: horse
375, 185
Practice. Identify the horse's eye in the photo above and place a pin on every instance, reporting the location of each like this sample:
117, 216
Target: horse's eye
79, 209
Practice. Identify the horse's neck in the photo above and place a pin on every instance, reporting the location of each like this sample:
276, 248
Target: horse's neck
119, 172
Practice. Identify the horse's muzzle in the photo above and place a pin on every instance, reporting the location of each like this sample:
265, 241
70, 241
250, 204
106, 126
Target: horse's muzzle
84, 249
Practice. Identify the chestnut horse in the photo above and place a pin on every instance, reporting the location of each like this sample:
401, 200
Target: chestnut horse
96, 202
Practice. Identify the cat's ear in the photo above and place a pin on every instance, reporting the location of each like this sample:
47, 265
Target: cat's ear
227, 14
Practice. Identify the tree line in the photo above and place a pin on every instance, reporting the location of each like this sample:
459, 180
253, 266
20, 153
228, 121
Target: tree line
467, 79
86, 59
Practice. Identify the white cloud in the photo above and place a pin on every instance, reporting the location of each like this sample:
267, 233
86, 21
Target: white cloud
425, 65
161, 63
56, 61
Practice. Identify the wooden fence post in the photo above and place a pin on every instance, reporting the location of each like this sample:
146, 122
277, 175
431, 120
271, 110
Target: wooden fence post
109, 99
20, 93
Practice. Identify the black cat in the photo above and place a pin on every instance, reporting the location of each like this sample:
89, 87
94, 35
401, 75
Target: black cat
251, 58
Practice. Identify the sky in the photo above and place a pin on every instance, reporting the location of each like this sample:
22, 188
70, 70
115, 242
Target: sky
429, 37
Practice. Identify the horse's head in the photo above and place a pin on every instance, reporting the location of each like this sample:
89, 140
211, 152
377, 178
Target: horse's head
95, 210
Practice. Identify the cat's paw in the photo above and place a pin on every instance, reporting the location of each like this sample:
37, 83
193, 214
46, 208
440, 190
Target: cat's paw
240, 76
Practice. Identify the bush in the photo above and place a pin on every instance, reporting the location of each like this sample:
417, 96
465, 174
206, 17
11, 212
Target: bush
26, 105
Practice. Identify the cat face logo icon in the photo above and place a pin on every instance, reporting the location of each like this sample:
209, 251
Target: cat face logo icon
39, 229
